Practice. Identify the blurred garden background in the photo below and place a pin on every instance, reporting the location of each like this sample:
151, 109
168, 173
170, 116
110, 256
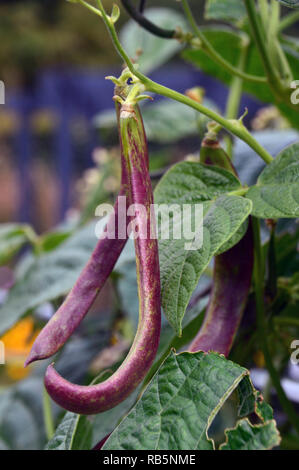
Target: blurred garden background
53, 61
59, 159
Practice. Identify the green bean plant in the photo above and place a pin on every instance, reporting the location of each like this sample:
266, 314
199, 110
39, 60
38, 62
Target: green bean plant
173, 389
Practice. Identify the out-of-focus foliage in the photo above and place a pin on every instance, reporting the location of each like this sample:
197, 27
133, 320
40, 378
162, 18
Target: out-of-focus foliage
33, 36
153, 51
36, 34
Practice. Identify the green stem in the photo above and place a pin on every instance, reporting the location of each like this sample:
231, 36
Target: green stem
239, 192
209, 49
267, 389
48, 418
289, 443
288, 21
274, 47
271, 285
274, 19
236, 127
263, 327
283, 63
33, 238
234, 97
288, 321
90, 7
259, 38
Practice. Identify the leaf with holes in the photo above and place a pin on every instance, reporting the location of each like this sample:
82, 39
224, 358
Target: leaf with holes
247, 436
179, 405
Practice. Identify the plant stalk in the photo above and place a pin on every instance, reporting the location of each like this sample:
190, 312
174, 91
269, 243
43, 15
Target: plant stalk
288, 21
48, 418
234, 97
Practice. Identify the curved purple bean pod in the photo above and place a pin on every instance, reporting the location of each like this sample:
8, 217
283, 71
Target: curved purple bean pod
231, 277
97, 398
90, 282
78, 302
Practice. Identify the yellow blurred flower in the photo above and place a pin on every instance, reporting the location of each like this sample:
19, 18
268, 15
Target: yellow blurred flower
17, 343
259, 359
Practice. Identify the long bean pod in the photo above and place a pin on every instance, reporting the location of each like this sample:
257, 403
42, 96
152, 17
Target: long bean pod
90, 282
231, 277
97, 398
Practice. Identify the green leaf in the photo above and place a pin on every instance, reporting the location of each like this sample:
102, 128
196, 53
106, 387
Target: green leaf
48, 277
225, 10
115, 14
179, 405
221, 39
51, 240
104, 423
167, 121
247, 436
276, 193
290, 3
247, 400
169, 341
155, 51
21, 416
12, 238
195, 183
73, 433
248, 164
